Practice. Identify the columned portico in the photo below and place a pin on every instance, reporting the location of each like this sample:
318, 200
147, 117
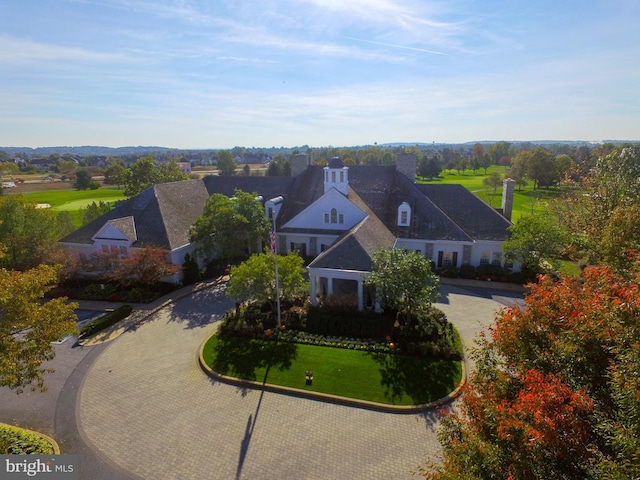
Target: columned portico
318, 275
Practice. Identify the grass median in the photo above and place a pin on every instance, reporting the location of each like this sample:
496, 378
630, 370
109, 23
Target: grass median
375, 377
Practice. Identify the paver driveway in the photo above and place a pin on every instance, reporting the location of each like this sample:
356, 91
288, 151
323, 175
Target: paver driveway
146, 406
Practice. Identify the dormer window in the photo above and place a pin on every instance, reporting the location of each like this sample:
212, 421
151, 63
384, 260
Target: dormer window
404, 215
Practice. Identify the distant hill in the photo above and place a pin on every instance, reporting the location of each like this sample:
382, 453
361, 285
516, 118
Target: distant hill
141, 150
87, 150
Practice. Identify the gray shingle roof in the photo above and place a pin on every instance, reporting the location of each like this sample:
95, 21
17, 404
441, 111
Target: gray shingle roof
479, 220
126, 226
163, 215
268, 187
354, 249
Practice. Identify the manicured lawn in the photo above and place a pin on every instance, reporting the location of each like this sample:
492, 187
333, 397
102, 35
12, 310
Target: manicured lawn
382, 378
73, 201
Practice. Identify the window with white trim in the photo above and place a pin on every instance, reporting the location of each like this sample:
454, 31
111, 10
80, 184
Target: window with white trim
497, 258
333, 217
484, 259
404, 215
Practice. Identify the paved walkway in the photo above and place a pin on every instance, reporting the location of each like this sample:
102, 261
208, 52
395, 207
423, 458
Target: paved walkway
147, 408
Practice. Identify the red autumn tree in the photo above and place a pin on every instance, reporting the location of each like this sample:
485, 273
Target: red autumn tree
556, 392
146, 266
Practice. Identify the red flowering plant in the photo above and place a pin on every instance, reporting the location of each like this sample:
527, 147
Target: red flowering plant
556, 390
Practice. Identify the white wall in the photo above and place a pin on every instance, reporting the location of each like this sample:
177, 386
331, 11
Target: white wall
312, 217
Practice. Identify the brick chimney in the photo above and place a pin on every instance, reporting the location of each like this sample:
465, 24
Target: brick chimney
299, 163
406, 164
508, 189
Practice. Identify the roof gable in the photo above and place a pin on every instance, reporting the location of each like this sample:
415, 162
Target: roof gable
120, 229
312, 217
355, 249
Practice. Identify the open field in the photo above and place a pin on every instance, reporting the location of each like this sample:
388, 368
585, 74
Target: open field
62, 197
71, 200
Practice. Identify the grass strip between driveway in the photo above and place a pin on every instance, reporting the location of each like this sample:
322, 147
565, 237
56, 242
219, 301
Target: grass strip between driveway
374, 377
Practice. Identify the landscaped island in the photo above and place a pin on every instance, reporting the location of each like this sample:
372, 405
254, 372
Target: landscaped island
366, 356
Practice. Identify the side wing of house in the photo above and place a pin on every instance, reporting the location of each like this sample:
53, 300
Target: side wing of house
161, 217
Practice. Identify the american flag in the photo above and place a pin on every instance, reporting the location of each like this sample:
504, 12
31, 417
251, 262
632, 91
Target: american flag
273, 241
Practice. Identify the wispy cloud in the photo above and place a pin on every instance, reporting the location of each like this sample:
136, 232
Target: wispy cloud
20, 51
403, 47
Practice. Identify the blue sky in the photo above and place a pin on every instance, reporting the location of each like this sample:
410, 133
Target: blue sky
221, 73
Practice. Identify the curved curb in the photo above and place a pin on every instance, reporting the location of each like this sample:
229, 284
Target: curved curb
325, 397
54, 444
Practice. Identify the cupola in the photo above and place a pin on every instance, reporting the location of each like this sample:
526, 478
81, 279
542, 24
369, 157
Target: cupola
336, 175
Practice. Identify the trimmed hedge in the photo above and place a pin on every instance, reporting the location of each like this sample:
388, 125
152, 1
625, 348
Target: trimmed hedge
17, 441
105, 321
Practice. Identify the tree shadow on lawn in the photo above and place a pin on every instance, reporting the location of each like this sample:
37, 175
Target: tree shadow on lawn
239, 357
421, 379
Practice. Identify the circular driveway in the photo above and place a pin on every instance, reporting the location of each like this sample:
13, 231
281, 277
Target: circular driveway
146, 408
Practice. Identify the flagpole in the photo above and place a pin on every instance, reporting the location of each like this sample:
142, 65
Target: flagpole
274, 248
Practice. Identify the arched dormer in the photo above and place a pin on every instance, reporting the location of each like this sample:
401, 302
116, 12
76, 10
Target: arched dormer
336, 175
404, 215
272, 207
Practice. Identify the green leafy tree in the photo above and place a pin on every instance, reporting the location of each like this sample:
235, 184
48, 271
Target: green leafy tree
461, 163
255, 279
226, 163
170, 172
115, 173
493, 181
498, 151
404, 281
536, 242
28, 325
9, 168
142, 175
429, 168
94, 210
230, 227
564, 164
279, 167
67, 166
485, 162
84, 181
621, 238
65, 223
29, 233
539, 165
609, 189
